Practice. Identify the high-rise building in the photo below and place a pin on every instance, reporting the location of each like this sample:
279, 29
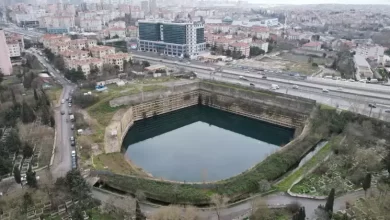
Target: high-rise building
5, 60
171, 38
152, 6
145, 6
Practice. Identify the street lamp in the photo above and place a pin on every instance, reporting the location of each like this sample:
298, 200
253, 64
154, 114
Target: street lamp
371, 105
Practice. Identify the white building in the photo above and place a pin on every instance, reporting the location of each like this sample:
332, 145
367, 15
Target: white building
91, 24
370, 51
14, 49
363, 69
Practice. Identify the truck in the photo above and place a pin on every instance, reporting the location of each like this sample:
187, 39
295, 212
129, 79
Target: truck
71, 117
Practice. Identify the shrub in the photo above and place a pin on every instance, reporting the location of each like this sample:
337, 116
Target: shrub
84, 101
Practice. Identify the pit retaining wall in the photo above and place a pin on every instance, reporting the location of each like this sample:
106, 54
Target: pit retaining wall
280, 109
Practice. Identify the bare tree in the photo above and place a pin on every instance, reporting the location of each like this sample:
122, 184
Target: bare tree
220, 201
167, 213
190, 213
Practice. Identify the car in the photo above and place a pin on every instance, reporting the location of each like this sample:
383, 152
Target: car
70, 112
73, 153
160, 60
264, 77
274, 87
62, 112
67, 99
372, 105
62, 101
72, 143
71, 138
295, 87
351, 80
339, 88
72, 127
325, 90
387, 110
251, 84
243, 78
70, 104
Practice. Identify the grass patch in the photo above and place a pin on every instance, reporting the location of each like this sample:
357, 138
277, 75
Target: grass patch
317, 158
239, 87
326, 107
54, 94
115, 162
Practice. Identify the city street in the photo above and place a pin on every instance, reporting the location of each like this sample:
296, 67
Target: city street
62, 155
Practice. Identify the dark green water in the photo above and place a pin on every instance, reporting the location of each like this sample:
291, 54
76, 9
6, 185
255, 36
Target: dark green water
201, 144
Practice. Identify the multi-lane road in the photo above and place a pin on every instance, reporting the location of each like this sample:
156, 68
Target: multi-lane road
62, 155
352, 96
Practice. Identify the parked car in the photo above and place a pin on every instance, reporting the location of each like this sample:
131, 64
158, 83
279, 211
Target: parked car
62, 101
62, 112
251, 84
73, 143
295, 87
70, 104
264, 77
387, 110
71, 138
72, 127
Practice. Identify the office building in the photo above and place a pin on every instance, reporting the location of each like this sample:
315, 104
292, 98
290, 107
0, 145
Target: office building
5, 61
171, 38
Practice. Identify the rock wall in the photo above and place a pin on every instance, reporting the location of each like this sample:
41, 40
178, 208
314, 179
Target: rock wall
117, 130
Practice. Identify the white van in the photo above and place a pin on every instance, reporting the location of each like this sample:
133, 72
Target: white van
274, 87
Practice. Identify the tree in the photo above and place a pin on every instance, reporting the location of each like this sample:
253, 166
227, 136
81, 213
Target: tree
330, 201
1, 76
27, 150
52, 121
138, 214
264, 185
387, 52
31, 178
255, 51
27, 113
145, 63
219, 201
35, 95
75, 75
17, 176
59, 63
300, 215
366, 183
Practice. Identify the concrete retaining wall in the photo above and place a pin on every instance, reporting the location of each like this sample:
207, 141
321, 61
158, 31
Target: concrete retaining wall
275, 108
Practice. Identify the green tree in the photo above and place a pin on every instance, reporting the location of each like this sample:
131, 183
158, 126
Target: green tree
27, 113
1, 76
330, 201
31, 178
27, 150
387, 52
45, 115
17, 176
75, 75
367, 183
52, 121
59, 63
145, 63
256, 51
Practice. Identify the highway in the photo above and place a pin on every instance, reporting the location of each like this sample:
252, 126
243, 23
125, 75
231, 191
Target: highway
62, 155
352, 98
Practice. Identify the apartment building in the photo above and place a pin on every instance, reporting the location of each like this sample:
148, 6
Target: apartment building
75, 54
261, 33
49, 39
117, 32
57, 21
117, 59
260, 44
101, 51
5, 61
82, 44
244, 48
85, 64
315, 46
13, 48
117, 24
132, 32
171, 38
91, 24
363, 69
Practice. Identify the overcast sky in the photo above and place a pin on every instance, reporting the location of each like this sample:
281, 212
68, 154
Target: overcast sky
296, 2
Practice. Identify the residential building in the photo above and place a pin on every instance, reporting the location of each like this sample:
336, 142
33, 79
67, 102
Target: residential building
5, 61
363, 69
244, 48
145, 6
132, 32
85, 64
117, 24
260, 44
75, 54
117, 59
59, 47
16, 37
101, 51
117, 32
91, 24
49, 39
370, 51
82, 44
13, 48
152, 6
171, 38
57, 22
315, 46
261, 33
